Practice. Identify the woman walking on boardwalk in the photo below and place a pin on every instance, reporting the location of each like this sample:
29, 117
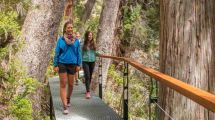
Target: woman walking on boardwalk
88, 60
67, 60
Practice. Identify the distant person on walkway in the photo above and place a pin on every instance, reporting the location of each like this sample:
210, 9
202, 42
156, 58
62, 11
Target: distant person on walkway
67, 60
77, 36
88, 60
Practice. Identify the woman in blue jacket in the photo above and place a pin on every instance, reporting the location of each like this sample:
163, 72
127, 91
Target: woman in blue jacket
88, 60
67, 60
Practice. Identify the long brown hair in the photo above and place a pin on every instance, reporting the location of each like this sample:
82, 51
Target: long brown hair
92, 44
65, 25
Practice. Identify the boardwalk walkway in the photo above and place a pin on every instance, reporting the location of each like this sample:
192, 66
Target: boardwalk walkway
81, 108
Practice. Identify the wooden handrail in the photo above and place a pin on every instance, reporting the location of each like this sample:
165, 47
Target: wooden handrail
201, 97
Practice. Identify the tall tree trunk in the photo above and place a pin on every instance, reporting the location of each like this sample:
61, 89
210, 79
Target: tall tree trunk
40, 32
106, 31
68, 10
87, 12
187, 50
117, 45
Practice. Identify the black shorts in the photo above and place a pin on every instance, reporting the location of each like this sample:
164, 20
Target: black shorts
67, 68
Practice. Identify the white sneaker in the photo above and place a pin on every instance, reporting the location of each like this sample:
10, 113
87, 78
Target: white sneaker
65, 111
76, 82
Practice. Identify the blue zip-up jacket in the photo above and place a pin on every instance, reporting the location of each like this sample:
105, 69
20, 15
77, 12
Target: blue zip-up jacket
67, 54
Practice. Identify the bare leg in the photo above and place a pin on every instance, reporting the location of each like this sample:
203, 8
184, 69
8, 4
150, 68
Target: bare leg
76, 77
70, 81
63, 78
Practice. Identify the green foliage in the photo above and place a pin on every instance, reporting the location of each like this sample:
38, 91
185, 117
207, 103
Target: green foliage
21, 109
18, 6
30, 85
50, 71
93, 22
113, 99
15, 84
46, 118
138, 93
153, 18
134, 32
113, 92
8, 23
92, 25
141, 27
10, 5
16, 78
152, 15
114, 75
79, 8
4, 52
130, 17
78, 12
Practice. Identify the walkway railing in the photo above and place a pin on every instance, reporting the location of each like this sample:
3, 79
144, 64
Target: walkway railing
199, 96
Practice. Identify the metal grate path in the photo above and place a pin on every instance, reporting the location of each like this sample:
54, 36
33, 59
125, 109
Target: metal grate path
81, 108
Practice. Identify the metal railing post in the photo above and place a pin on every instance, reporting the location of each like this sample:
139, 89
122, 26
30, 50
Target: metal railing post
125, 91
150, 95
100, 77
156, 108
153, 98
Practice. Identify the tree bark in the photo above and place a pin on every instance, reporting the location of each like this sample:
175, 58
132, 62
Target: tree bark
88, 9
39, 33
86, 15
117, 44
105, 36
68, 10
187, 50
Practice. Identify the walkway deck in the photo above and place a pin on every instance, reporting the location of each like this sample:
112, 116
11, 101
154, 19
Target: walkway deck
81, 108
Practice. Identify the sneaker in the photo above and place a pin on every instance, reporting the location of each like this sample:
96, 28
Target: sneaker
65, 111
68, 102
88, 95
76, 82
83, 80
